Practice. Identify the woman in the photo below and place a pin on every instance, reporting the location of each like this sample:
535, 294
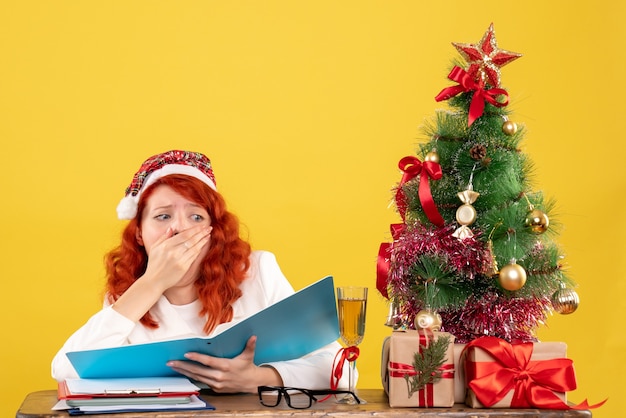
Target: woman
182, 271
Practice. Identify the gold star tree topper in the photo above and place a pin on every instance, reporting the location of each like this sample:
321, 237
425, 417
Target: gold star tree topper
485, 59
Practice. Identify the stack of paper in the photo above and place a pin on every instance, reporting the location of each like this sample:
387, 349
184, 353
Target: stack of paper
97, 396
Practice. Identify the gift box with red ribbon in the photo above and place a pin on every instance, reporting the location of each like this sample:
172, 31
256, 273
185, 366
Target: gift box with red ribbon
400, 377
525, 375
459, 377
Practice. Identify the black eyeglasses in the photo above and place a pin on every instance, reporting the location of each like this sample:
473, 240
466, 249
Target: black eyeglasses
295, 397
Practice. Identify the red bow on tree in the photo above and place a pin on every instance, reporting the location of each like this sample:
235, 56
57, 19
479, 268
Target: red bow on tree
466, 84
384, 259
412, 167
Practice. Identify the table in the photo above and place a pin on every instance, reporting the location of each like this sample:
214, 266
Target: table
38, 404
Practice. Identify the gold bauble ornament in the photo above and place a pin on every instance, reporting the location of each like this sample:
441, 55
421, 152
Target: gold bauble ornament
565, 301
432, 156
537, 221
427, 319
512, 276
509, 128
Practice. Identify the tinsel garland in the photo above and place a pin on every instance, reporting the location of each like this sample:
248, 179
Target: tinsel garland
468, 257
488, 311
493, 314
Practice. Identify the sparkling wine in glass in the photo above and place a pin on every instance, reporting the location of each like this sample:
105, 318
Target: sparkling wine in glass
351, 306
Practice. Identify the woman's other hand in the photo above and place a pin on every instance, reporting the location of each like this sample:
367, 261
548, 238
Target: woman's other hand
238, 374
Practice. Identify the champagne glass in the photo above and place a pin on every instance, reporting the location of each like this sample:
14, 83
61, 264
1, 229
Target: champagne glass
351, 302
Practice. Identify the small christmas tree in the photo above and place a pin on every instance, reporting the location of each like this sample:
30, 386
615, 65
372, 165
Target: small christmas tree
475, 250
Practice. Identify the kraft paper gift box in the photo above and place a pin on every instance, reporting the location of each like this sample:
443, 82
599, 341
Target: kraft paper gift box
503, 375
397, 361
459, 377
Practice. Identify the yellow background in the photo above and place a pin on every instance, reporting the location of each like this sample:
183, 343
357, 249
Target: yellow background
305, 108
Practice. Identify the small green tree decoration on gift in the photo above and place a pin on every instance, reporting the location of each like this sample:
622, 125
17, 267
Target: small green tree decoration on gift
475, 246
427, 364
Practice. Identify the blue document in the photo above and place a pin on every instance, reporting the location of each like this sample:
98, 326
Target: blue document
291, 328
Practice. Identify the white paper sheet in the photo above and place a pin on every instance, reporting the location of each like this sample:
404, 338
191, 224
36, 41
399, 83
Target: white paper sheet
138, 385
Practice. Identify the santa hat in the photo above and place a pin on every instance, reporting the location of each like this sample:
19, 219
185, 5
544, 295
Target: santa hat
192, 164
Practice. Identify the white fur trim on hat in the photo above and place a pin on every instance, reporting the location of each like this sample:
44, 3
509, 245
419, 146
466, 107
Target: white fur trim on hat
127, 208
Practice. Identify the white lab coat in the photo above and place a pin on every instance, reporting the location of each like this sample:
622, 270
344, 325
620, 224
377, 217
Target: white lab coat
264, 286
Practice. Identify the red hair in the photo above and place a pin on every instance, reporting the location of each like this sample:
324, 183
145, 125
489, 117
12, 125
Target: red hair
223, 268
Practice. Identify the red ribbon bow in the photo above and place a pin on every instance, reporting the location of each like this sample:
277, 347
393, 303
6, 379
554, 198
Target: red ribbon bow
412, 167
344, 354
534, 383
383, 261
467, 83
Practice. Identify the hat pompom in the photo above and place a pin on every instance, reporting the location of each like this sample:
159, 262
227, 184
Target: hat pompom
127, 208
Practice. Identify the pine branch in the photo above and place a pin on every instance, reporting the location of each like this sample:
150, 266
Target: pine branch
427, 362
